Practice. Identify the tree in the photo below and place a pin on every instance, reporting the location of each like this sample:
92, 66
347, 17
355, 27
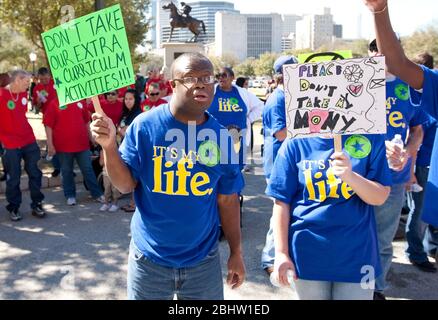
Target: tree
422, 41
264, 65
14, 51
32, 18
226, 60
246, 68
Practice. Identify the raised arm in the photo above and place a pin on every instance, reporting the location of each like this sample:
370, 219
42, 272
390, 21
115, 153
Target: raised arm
397, 62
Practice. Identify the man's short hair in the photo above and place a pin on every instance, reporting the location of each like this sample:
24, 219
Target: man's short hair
43, 71
425, 59
372, 46
18, 74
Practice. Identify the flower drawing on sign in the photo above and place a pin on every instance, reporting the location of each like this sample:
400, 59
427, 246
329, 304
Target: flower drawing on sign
353, 73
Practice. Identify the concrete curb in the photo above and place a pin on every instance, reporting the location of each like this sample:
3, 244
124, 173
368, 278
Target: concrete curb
46, 183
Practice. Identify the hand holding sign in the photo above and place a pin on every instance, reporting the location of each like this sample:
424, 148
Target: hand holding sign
103, 131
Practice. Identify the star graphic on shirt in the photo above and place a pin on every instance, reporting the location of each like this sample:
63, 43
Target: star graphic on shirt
358, 146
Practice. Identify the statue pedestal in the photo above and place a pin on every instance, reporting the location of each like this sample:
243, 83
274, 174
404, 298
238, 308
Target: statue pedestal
173, 50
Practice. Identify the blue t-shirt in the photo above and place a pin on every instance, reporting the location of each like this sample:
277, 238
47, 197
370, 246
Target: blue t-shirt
429, 101
180, 171
401, 113
425, 153
332, 234
274, 120
228, 108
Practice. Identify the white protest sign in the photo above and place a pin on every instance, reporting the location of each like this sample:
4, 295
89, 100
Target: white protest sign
336, 97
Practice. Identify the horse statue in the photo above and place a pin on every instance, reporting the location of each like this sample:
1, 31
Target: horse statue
177, 20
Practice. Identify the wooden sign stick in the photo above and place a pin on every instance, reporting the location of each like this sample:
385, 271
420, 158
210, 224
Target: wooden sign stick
97, 106
338, 142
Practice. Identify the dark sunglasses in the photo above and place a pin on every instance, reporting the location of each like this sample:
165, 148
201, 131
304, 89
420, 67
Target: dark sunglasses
221, 75
154, 94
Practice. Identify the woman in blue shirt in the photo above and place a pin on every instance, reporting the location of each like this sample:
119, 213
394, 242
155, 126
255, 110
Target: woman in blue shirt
323, 216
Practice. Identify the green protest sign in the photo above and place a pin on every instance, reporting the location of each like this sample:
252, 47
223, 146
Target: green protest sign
325, 56
89, 55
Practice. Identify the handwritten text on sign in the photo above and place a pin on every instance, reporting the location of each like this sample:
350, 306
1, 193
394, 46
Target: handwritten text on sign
89, 55
340, 97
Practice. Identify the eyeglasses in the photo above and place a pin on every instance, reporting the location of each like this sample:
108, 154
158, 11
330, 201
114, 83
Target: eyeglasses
222, 75
191, 81
112, 93
154, 94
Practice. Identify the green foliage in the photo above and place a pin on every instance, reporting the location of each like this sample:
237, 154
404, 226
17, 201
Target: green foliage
422, 41
227, 60
246, 68
14, 51
264, 65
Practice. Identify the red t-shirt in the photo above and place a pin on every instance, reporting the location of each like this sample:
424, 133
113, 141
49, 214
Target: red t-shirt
46, 90
69, 126
148, 104
113, 110
15, 130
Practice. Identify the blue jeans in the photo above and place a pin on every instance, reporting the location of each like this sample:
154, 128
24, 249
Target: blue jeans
415, 228
431, 240
268, 252
56, 163
324, 290
387, 220
12, 160
149, 281
84, 162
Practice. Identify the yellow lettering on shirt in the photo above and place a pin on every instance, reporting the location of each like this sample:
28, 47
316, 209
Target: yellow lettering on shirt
326, 184
196, 183
167, 174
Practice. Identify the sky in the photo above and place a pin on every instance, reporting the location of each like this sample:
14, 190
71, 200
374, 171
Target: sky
407, 16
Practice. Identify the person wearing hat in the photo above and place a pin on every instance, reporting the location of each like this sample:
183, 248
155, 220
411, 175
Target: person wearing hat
274, 132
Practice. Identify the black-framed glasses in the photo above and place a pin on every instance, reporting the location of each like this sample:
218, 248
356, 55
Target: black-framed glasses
222, 75
154, 94
191, 81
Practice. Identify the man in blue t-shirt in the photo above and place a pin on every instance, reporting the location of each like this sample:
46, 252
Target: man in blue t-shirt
275, 133
418, 78
415, 228
403, 118
183, 182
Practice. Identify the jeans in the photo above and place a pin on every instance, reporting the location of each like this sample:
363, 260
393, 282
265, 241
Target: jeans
431, 240
324, 290
149, 281
268, 252
415, 228
387, 220
56, 163
84, 162
12, 160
